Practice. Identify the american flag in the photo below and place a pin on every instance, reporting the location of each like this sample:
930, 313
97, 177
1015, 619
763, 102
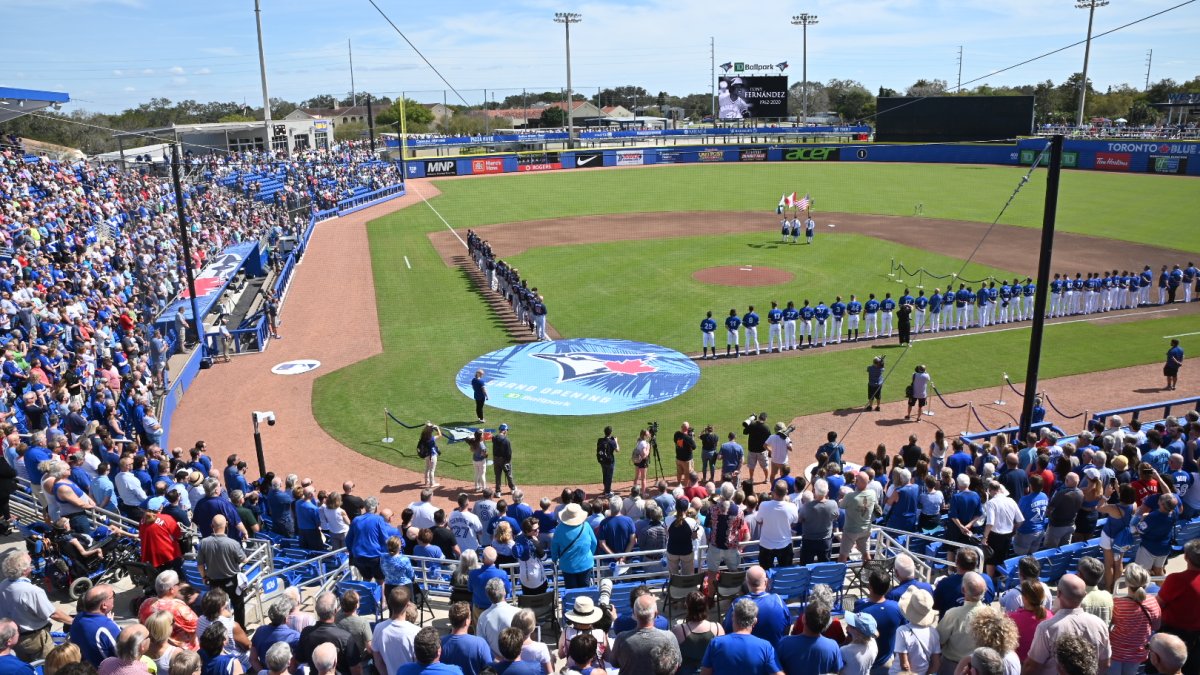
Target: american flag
804, 203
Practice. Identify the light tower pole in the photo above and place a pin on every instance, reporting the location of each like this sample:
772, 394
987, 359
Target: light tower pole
566, 19
262, 70
804, 21
1090, 6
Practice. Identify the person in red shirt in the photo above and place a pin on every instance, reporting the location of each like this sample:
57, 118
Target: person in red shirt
160, 535
1178, 597
1147, 483
695, 490
1041, 468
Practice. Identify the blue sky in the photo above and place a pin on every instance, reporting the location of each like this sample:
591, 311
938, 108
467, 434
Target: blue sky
114, 54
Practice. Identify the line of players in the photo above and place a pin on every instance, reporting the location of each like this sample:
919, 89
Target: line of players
810, 326
526, 302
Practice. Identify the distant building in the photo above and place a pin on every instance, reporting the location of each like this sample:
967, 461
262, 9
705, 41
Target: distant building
355, 114
616, 111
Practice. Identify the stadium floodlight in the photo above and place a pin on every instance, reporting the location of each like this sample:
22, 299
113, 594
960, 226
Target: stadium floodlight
804, 21
257, 417
566, 19
1090, 6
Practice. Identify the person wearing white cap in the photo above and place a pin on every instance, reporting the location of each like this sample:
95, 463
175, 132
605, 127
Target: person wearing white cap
573, 546
1001, 516
778, 446
860, 654
918, 647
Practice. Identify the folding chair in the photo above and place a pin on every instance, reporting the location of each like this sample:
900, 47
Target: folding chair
545, 609
729, 586
678, 588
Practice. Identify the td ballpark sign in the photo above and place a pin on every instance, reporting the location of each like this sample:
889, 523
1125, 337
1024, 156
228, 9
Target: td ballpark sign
581, 376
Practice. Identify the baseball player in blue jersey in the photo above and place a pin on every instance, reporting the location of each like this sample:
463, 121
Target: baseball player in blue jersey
1091, 287
993, 297
790, 314
837, 310
920, 305
1005, 302
888, 307
750, 322
1190, 275
775, 328
822, 315
983, 301
1173, 283
871, 316
935, 310
708, 329
961, 301
1077, 285
810, 229
948, 307
1027, 293
1056, 295
1145, 281
539, 318
853, 309
732, 323
905, 299
1164, 277
806, 323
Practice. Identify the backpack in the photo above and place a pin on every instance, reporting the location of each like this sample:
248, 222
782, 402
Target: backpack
422, 450
604, 453
639, 454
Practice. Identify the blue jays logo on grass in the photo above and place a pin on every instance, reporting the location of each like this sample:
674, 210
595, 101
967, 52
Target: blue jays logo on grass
581, 376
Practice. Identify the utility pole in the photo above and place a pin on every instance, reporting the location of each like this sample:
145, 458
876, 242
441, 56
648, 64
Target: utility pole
1149, 59
712, 67
186, 240
804, 21
1090, 6
370, 123
958, 87
353, 94
262, 68
566, 19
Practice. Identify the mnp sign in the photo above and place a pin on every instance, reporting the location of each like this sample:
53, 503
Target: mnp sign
812, 155
441, 167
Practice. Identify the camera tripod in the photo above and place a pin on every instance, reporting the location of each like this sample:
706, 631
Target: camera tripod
658, 468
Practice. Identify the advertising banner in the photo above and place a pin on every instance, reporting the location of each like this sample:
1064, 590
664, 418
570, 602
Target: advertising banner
485, 139
539, 161
488, 165
589, 160
1028, 156
671, 157
741, 98
1112, 161
710, 155
812, 155
857, 131
211, 282
1167, 164
441, 167
630, 158
753, 155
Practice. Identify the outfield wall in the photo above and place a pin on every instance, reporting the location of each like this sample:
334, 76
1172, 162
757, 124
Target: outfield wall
1179, 158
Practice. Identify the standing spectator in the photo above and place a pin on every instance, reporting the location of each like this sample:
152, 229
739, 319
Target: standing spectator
725, 525
1179, 596
427, 650
695, 633
817, 520
392, 640
349, 657
213, 504
948, 591
1174, 363
10, 664
681, 541
775, 519
918, 646
859, 506
739, 651
335, 522
811, 653
366, 540
510, 662
397, 568
992, 629
1136, 616
685, 450
166, 588
860, 654
352, 503
132, 644
160, 536
772, 619
308, 521
469, 652
903, 505
573, 546
502, 456
1032, 530
1098, 601
905, 570
1168, 654
1061, 512
94, 630
919, 392
423, 510
966, 509
480, 578
607, 448
28, 605
731, 454
479, 457
219, 559
1031, 613
1068, 620
275, 630
1157, 525
498, 616
616, 532
757, 432
1001, 516
887, 615
875, 373
778, 447
427, 449
954, 628
708, 455
465, 525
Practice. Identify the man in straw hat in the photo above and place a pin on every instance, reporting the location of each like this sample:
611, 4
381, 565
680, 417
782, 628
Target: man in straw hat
918, 647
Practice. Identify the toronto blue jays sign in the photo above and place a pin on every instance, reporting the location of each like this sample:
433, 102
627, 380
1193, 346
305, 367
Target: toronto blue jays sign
581, 377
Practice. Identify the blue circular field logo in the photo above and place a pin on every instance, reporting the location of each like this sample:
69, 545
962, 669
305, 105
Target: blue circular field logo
581, 377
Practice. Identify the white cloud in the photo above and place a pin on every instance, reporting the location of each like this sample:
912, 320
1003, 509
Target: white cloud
176, 70
148, 71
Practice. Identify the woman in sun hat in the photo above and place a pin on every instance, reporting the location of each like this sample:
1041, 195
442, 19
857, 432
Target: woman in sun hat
918, 647
573, 546
860, 654
582, 619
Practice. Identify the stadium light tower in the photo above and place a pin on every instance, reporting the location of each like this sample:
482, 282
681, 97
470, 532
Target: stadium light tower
804, 21
1090, 6
566, 19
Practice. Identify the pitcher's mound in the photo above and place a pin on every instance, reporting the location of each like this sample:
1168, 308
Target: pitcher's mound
744, 275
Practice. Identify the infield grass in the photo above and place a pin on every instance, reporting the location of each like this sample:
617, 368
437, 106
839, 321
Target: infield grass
433, 321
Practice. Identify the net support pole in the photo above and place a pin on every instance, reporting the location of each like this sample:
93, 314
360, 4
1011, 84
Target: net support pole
1049, 215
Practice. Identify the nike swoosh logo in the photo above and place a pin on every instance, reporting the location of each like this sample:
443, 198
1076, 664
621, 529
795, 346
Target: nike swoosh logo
584, 161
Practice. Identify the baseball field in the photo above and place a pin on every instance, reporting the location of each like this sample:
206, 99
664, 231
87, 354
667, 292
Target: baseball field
616, 254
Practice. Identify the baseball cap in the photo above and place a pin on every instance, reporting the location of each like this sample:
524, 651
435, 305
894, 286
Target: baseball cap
503, 427
736, 80
780, 427
863, 622
156, 504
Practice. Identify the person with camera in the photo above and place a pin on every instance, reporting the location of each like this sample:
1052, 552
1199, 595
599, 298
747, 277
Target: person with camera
757, 432
685, 450
607, 448
641, 459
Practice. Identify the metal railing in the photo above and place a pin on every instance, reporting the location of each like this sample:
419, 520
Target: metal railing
1192, 403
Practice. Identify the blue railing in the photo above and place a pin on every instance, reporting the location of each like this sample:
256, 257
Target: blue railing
1192, 403
362, 201
1010, 432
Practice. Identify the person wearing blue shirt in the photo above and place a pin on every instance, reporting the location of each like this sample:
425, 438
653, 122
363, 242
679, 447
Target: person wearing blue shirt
922, 305
1170, 369
888, 308
308, 522
966, 509
1190, 275
837, 310
1033, 508
750, 322
853, 309
740, 651
806, 323
790, 314
276, 630
732, 323
103, 492
1145, 281
887, 614
1158, 518
1164, 278
479, 393
708, 329
234, 479
960, 460
871, 316
366, 540
616, 531
949, 593
93, 631
821, 313
478, 578
216, 502
470, 653
775, 328
10, 664
810, 652
904, 505
279, 506
984, 301
573, 546
773, 617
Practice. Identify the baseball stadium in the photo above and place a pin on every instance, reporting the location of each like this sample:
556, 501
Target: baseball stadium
932, 356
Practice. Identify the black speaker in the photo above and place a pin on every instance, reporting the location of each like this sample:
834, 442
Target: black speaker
206, 363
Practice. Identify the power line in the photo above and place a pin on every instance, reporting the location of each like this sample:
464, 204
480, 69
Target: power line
418, 51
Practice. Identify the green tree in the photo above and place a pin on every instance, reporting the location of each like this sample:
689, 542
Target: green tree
886, 92
351, 131
923, 87
553, 117
417, 116
235, 117
849, 99
320, 101
464, 123
1141, 113
818, 98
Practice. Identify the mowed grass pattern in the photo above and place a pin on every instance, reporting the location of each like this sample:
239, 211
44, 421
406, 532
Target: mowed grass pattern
433, 321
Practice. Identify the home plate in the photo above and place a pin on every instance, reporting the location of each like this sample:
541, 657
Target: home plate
832, 224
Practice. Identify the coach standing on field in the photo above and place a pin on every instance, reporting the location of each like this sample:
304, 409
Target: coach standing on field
480, 391
757, 433
502, 458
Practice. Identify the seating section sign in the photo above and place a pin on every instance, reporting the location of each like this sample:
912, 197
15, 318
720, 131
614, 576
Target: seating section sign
581, 376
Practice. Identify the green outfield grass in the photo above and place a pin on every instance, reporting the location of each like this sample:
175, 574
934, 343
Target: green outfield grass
1148, 209
433, 321
660, 302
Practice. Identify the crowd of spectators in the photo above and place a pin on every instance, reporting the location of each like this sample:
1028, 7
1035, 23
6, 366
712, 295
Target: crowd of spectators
1127, 485
1112, 129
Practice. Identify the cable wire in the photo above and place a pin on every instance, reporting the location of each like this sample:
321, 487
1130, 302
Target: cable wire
418, 51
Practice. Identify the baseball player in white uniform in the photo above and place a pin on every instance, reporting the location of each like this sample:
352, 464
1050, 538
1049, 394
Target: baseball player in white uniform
790, 314
775, 328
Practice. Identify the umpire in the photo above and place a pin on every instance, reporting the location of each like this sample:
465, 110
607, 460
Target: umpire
757, 432
502, 458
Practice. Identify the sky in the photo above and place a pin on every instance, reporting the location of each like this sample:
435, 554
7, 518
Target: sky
114, 54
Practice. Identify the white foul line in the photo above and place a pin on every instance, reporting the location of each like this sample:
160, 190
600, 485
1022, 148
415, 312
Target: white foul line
439, 215
1056, 323
1182, 335
406, 263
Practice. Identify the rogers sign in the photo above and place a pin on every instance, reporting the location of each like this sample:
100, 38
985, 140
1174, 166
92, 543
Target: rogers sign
1112, 161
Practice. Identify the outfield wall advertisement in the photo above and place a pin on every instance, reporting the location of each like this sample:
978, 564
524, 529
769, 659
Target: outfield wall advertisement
1168, 158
